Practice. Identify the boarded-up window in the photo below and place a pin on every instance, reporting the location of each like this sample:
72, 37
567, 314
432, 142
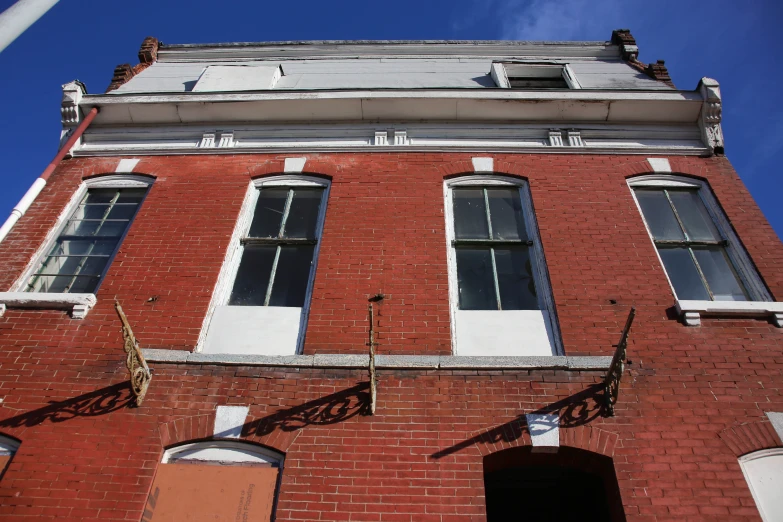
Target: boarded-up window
209, 492
214, 481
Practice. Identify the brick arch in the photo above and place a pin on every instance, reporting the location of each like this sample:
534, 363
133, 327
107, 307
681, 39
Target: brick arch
500, 167
313, 167
516, 434
201, 427
152, 177
750, 437
679, 168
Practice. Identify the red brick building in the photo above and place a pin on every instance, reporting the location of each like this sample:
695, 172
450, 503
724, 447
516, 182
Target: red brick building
501, 206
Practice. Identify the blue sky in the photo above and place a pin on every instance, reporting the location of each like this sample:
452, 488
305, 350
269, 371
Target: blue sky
733, 42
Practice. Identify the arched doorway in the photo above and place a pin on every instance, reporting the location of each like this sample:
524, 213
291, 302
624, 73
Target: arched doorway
572, 484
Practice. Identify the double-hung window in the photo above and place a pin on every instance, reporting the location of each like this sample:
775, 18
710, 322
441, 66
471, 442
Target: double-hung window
707, 267
262, 300
500, 291
81, 254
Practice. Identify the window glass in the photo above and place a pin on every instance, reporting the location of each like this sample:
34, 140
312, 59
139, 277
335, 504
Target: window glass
723, 282
659, 215
81, 254
292, 275
505, 209
515, 279
303, 214
694, 216
683, 274
268, 216
252, 278
470, 214
475, 279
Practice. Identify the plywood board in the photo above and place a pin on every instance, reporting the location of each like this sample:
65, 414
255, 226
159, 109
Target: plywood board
209, 493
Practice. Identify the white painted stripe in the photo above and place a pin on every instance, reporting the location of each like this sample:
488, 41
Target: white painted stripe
126, 165
544, 430
659, 164
294, 165
777, 422
482, 165
229, 421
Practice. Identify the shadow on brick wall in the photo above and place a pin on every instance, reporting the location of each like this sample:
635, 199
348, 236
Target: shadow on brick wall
92, 404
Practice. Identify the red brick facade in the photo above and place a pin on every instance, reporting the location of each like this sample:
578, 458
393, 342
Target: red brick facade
685, 401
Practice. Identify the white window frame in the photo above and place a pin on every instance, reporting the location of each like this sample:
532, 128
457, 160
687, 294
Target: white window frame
744, 460
230, 267
543, 285
78, 304
760, 301
499, 74
235, 452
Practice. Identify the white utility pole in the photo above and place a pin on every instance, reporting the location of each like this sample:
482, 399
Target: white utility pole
16, 19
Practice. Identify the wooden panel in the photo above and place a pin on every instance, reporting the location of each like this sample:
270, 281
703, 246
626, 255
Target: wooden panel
209, 493
4, 460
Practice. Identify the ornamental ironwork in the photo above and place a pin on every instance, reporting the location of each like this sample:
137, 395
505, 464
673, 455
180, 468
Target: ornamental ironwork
372, 344
138, 371
615, 373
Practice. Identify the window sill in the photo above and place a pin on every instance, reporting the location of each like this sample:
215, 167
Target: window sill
384, 362
691, 311
77, 304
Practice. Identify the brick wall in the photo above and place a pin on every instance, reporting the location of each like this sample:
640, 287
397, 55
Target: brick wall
689, 398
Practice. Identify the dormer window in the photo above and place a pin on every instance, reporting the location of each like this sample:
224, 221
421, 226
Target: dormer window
534, 76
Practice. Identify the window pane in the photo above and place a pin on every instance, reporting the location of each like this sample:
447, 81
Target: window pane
92, 212
100, 195
293, 273
303, 215
719, 274
123, 211
659, 215
83, 285
515, 279
694, 215
253, 276
269, 213
470, 215
131, 195
683, 274
505, 210
60, 265
475, 279
93, 265
75, 247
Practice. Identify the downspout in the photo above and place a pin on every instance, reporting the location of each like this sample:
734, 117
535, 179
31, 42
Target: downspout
37, 186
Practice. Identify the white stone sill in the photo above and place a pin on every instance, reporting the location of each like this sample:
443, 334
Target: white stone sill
77, 304
386, 362
691, 311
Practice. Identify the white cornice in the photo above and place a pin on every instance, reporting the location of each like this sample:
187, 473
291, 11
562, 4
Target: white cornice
398, 105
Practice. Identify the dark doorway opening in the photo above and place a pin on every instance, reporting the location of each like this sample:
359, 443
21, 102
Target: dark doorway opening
570, 485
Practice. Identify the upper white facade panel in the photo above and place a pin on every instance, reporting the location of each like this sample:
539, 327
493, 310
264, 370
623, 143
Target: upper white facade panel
335, 66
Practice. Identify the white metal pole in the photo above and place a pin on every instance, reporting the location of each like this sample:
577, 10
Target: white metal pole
16, 19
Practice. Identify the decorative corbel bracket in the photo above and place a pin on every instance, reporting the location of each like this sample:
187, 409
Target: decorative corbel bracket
711, 115
71, 115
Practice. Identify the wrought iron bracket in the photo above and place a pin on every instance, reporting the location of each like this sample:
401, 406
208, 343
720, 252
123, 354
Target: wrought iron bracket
138, 371
372, 344
615, 373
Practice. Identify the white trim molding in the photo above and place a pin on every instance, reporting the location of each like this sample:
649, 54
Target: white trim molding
765, 481
77, 304
760, 303
223, 451
692, 311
